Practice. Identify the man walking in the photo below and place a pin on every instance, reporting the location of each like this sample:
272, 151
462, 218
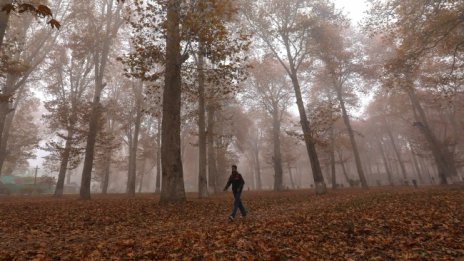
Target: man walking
237, 182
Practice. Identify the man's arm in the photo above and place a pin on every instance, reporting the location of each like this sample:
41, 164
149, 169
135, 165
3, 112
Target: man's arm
229, 182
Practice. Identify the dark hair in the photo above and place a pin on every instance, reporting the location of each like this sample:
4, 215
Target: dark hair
234, 166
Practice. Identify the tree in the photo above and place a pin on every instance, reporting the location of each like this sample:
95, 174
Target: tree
67, 91
437, 26
37, 10
270, 92
20, 56
25, 139
133, 134
102, 36
210, 45
285, 28
342, 62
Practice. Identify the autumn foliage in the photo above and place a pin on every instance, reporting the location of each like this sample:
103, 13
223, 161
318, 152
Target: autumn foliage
351, 225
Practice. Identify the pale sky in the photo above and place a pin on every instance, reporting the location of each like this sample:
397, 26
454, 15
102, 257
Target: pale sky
353, 8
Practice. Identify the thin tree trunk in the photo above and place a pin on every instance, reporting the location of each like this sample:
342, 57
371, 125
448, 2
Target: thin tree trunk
173, 177
64, 165
346, 119
309, 142
257, 167
132, 173
342, 163
332, 157
68, 177
292, 181
100, 66
385, 163
141, 175
202, 181
278, 171
107, 168
396, 150
212, 164
158, 159
253, 175
221, 157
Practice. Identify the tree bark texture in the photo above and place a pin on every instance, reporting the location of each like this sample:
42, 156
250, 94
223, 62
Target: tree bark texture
309, 142
202, 181
278, 170
173, 177
347, 122
212, 165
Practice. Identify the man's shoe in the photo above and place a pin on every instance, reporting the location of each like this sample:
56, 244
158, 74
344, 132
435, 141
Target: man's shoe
231, 218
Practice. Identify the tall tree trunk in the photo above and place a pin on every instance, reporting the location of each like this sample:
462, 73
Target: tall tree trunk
101, 59
342, 163
64, 164
212, 164
278, 171
158, 159
253, 174
173, 177
257, 167
221, 165
4, 142
309, 141
132, 172
141, 175
332, 157
107, 159
202, 181
90, 147
347, 122
385, 164
6, 95
292, 181
106, 171
439, 152
68, 177
396, 150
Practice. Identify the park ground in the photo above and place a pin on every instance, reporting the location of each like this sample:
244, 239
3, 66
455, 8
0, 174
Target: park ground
375, 224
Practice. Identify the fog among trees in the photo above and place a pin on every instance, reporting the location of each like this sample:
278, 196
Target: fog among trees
141, 96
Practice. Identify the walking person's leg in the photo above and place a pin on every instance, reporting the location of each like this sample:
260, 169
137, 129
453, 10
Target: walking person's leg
241, 207
236, 204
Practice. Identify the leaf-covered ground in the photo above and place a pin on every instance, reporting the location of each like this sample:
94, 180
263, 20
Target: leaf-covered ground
378, 224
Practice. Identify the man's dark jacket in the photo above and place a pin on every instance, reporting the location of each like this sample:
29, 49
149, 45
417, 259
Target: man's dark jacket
237, 182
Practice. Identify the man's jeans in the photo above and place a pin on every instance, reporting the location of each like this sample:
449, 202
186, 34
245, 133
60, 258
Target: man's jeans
238, 205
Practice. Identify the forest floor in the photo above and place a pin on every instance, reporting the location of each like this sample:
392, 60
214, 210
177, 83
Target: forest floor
377, 224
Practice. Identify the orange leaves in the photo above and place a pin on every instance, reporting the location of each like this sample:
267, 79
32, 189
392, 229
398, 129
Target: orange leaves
8, 8
54, 23
342, 225
38, 11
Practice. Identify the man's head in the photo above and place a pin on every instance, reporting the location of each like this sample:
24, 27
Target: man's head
234, 167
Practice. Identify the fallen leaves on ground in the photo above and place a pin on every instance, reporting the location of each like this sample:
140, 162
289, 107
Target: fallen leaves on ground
378, 224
